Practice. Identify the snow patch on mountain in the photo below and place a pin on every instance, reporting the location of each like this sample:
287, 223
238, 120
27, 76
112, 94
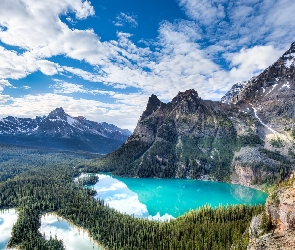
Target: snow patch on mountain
257, 117
235, 89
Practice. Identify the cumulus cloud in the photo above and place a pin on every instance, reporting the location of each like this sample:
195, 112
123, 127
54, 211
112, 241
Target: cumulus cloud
122, 19
240, 23
222, 43
249, 62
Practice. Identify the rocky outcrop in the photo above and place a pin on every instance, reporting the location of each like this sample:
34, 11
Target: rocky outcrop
280, 211
253, 166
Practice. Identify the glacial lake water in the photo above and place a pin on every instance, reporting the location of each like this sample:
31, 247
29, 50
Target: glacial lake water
73, 237
162, 199
7, 219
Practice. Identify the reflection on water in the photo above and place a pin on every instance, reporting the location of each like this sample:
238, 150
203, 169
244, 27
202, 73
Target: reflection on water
244, 195
73, 237
171, 197
7, 219
117, 195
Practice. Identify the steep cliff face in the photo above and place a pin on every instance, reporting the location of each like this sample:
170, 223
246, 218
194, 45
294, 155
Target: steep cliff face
280, 217
186, 138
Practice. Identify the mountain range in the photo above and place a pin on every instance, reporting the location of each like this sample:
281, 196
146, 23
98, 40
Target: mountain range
62, 131
247, 138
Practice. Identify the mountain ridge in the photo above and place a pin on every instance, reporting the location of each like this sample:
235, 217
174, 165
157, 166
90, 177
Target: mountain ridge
61, 130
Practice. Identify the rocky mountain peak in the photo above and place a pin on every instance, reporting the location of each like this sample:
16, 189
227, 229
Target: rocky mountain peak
153, 104
189, 94
58, 113
288, 57
274, 85
80, 118
235, 89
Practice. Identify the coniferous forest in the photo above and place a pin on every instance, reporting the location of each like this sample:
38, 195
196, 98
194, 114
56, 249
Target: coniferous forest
36, 182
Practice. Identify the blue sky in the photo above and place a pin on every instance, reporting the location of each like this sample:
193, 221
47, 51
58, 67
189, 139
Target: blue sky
103, 59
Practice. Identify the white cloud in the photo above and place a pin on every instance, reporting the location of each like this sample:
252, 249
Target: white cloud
204, 11
122, 19
4, 83
238, 23
249, 62
185, 54
62, 87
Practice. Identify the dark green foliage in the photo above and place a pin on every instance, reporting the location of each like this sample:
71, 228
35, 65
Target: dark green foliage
275, 155
277, 143
120, 161
274, 173
293, 133
249, 140
87, 142
291, 152
90, 179
15, 160
51, 189
265, 223
25, 232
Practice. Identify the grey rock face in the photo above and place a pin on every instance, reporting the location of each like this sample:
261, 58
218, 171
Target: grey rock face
272, 93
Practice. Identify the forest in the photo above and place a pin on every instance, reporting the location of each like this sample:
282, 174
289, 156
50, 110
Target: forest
37, 182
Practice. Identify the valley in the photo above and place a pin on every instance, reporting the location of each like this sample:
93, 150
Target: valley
179, 148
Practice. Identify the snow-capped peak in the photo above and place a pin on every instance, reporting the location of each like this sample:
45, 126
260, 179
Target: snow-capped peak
235, 89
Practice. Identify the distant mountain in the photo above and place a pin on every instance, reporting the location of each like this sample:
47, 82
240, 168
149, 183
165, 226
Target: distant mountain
235, 89
62, 131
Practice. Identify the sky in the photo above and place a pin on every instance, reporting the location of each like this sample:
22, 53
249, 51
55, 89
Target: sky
103, 59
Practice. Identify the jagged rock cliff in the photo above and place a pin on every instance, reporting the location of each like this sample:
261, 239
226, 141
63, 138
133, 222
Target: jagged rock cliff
185, 138
234, 90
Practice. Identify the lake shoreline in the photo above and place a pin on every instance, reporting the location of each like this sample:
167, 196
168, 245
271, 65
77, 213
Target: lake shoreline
202, 178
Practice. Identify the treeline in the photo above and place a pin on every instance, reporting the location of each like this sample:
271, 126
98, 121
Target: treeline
14, 160
51, 189
26, 235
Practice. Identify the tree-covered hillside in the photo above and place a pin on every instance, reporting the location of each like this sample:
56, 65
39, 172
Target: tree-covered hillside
50, 188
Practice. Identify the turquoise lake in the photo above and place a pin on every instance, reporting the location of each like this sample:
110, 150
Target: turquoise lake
166, 198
